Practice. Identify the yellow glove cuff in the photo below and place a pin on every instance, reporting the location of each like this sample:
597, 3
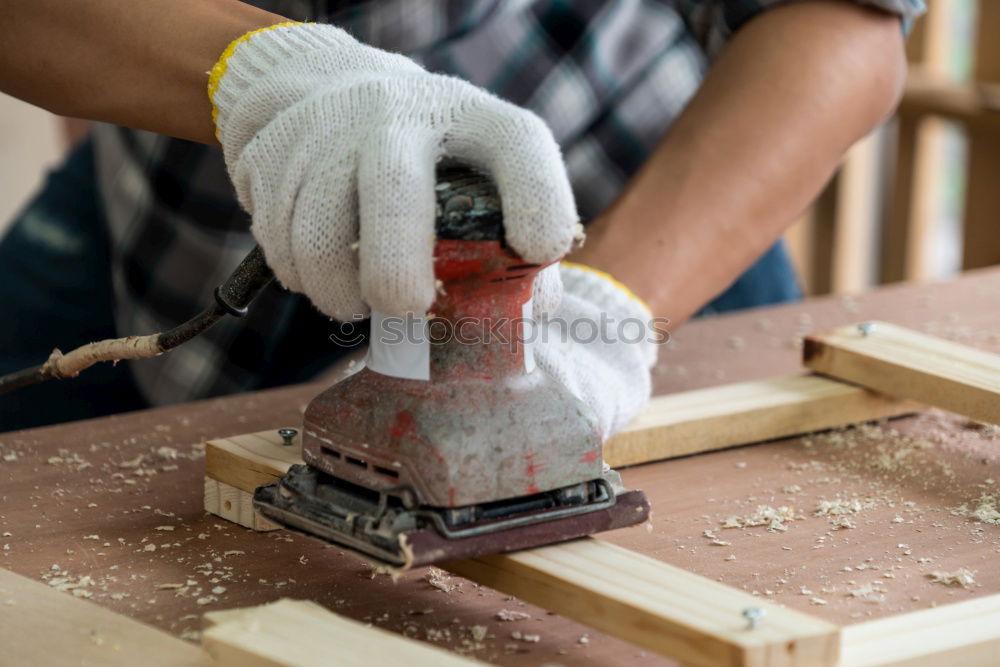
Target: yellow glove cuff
219, 68
607, 276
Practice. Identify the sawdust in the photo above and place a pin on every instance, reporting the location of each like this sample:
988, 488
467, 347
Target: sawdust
872, 592
960, 577
440, 580
841, 506
765, 515
507, 615
986, 509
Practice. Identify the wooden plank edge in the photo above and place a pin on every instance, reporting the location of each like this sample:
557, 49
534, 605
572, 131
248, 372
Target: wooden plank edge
907, 364
714, 418
963, 633
252, 459
234, 505
42, 626
305, 634
655, 605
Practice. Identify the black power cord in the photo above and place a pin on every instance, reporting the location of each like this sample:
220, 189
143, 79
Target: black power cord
232, 297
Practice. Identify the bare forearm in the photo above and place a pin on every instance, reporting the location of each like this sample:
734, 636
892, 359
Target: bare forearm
141, 64
791, 92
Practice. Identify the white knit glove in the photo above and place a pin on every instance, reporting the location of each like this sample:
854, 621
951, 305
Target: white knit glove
332, 145
606, 364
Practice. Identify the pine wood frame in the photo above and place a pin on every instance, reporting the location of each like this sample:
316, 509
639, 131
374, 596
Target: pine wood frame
666, 609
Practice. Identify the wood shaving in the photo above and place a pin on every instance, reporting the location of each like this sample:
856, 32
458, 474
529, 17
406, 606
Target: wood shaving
438, 579
507, 615
960, 577
868, 593
986, 509
842, 506
765, 515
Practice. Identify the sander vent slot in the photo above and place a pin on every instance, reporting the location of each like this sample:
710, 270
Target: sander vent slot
355, 462
331, 452
386, 471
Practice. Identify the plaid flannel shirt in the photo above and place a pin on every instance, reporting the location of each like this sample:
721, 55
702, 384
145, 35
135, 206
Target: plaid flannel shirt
608, 76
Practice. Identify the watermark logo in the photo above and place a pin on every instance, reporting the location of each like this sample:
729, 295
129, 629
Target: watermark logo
417, 330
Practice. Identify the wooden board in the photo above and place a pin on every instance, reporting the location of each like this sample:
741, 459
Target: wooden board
251, 460
234, 505
304, 634
964, 633
72, 631
655, 605
905, 363
736, 414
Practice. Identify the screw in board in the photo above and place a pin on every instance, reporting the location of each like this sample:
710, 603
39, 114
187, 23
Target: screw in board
287, 436
866, 328
753, 616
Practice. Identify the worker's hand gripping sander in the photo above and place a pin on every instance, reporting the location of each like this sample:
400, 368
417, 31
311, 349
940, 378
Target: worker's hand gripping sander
487, 455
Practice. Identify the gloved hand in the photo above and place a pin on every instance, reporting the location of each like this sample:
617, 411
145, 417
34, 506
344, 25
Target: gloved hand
605, 362
332, 145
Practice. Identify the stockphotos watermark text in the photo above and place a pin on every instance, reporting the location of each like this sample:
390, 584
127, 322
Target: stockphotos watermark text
413, 329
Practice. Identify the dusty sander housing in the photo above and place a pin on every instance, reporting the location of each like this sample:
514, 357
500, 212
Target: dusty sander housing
488, 455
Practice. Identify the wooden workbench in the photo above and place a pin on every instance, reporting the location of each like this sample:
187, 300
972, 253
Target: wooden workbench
119, 500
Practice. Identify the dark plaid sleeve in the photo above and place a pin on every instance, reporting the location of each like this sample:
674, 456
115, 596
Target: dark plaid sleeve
713, 22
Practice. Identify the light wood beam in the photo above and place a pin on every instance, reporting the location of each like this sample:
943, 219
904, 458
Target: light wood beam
304, 634
904, 363
42, 626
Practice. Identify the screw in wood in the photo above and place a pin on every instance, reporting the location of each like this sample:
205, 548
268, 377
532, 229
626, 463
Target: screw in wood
753, 616
866, 328
287, 436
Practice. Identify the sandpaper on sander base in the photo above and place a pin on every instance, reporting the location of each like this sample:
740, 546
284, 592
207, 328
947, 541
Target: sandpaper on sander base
427, 547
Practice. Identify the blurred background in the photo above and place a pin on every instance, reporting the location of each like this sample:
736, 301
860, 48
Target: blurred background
918, 199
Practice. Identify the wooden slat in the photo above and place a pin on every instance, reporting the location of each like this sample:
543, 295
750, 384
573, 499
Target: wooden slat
917, 190
304, 634
855, 210
655, 605
963, 633
823, 233
235, 505
918, 183
904, 363
708, 419
932, 94
42, 626
982, 196
250, 460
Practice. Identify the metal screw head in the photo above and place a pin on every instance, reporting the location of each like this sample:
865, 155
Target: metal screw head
866, 328
753, 615
287, 436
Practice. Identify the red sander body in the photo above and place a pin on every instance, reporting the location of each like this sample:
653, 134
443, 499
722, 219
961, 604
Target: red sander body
487, 455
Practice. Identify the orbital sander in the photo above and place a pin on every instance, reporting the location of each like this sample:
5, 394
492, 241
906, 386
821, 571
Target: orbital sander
447, 447
483, 454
